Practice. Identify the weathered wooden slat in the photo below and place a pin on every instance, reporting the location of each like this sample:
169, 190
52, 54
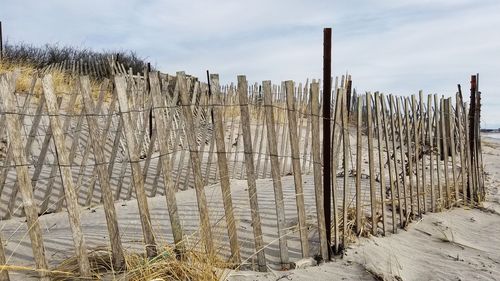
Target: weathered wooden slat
306, 136
114, 152
138, 129
437, 123
461, 145
359, 148
31, 137
206, 231
318, 179
180, 167
261, 145
72, 155
380, 160
336, 142
163, 137
103, 173
249, 161
137, 180
9, 157
275, 171
402, 158
196, 110
394, 155
66, 176
43, 152
301, 117
415, 125
451, 127
282, 132
409, 155
422, 140
468, 157
390, 163
7, 88
371, 163
258, 114
297, 173
431, 151
346, 150
208, 170
445, 151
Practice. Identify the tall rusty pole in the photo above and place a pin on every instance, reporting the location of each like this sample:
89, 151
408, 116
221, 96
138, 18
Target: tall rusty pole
1, 41
327, 96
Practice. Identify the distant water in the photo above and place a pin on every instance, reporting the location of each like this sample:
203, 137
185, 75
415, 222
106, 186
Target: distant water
491, 135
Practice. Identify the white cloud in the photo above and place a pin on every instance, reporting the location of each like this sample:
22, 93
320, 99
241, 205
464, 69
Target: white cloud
392, 46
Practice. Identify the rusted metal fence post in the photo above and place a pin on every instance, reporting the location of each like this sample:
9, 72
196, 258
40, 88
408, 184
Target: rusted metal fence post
327, 96
1, 41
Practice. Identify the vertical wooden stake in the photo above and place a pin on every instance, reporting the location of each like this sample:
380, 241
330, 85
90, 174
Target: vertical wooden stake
1, 46
451, 127
461, 145
137, 179
66, 176
380, 159
437, 115
422, 140
103, 173
278, 191
445, 152
163, 137
359, 158
249, 162
431, 151
7, 88
416, 140
409, 156
402, 158
470, 178
297, 173
318, 189
336, 141
371, 164
346, 150
394, 153
206, 231
392, 177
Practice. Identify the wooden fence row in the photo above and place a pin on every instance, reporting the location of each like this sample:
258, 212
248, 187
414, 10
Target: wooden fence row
393, 158
95, 67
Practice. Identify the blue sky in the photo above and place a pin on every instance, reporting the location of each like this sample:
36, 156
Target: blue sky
391, 46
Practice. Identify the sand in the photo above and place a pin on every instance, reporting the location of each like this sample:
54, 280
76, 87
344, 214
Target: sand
459, 244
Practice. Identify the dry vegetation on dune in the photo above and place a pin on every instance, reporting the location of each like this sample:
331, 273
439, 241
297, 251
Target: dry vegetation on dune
26, 74
29, 61
43, 56
193, 265
28, 80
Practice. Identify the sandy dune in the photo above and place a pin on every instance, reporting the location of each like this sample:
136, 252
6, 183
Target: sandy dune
460, 244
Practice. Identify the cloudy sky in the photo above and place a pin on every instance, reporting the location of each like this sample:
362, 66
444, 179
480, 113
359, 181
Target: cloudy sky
392, 46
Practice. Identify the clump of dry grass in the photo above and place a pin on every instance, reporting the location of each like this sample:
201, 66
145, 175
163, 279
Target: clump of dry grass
364, 229
28, 81
168, 265
26, 74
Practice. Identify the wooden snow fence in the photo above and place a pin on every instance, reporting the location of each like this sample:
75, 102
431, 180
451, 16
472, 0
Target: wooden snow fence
256, 146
